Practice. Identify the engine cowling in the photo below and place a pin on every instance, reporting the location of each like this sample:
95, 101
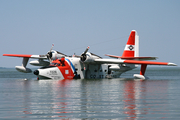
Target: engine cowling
39, 63
56, 56
87, 58
53, 55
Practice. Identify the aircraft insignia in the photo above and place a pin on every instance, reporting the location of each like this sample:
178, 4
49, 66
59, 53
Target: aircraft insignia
131, 47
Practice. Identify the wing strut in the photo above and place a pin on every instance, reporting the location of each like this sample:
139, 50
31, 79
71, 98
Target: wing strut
142, 72
143, 69
23, 68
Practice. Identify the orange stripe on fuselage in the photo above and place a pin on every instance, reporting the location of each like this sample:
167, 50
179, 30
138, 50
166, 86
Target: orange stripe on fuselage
66, 70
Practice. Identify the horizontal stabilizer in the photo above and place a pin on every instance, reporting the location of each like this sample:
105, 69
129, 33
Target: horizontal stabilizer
132, 58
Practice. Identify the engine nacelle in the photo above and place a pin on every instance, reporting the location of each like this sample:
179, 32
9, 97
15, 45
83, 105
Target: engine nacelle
87, 58
56, 55
23, 69
39, 63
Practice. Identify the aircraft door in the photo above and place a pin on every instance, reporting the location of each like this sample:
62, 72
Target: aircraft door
109, 71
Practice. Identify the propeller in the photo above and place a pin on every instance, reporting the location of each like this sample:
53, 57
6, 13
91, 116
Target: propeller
83, 56
49, 54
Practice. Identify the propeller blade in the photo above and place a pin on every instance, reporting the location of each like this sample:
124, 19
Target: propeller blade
49, 54
83, 56
52, 47
86, 50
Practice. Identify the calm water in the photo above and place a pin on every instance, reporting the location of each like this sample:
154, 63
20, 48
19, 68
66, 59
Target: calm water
123, 98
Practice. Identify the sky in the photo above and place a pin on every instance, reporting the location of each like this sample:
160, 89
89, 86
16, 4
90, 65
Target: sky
32, 26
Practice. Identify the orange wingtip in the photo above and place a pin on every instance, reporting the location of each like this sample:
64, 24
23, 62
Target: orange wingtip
17, 55
147, 62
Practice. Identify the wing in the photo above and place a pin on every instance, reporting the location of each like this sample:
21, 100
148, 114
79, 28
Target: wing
119, 61
149, 62
26, 56
142, 63
25, 60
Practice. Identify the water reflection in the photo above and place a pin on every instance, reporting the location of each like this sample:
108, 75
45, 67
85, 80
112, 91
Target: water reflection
47, 99
61, 97
129, 99
114, 98
27, 98
143, 97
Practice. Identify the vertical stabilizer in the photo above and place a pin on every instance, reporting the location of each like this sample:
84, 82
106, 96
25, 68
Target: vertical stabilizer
132, 46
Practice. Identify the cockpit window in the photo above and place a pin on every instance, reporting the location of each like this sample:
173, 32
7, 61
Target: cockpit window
55, 64
52, 64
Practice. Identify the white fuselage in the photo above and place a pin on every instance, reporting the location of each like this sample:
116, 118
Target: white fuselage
83, 70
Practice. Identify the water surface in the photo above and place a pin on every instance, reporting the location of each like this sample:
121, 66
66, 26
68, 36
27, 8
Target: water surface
122, 98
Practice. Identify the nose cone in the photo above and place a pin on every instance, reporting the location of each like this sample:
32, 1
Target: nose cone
36, 72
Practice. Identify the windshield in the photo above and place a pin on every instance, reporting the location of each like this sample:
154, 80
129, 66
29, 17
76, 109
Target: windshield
54, 64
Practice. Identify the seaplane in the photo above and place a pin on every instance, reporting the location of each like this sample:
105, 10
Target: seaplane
56, 65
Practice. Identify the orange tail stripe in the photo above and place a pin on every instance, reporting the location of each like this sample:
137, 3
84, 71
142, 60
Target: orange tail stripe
131, 40
128, 54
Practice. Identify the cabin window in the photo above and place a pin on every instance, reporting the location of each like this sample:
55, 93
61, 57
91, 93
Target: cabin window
66, 71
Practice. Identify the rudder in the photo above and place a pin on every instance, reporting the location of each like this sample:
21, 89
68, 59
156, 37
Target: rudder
132, 46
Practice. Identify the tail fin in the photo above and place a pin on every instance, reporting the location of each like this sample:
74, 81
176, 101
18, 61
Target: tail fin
132, 46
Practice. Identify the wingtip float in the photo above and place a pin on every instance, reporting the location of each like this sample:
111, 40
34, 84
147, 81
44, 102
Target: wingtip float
56, 65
